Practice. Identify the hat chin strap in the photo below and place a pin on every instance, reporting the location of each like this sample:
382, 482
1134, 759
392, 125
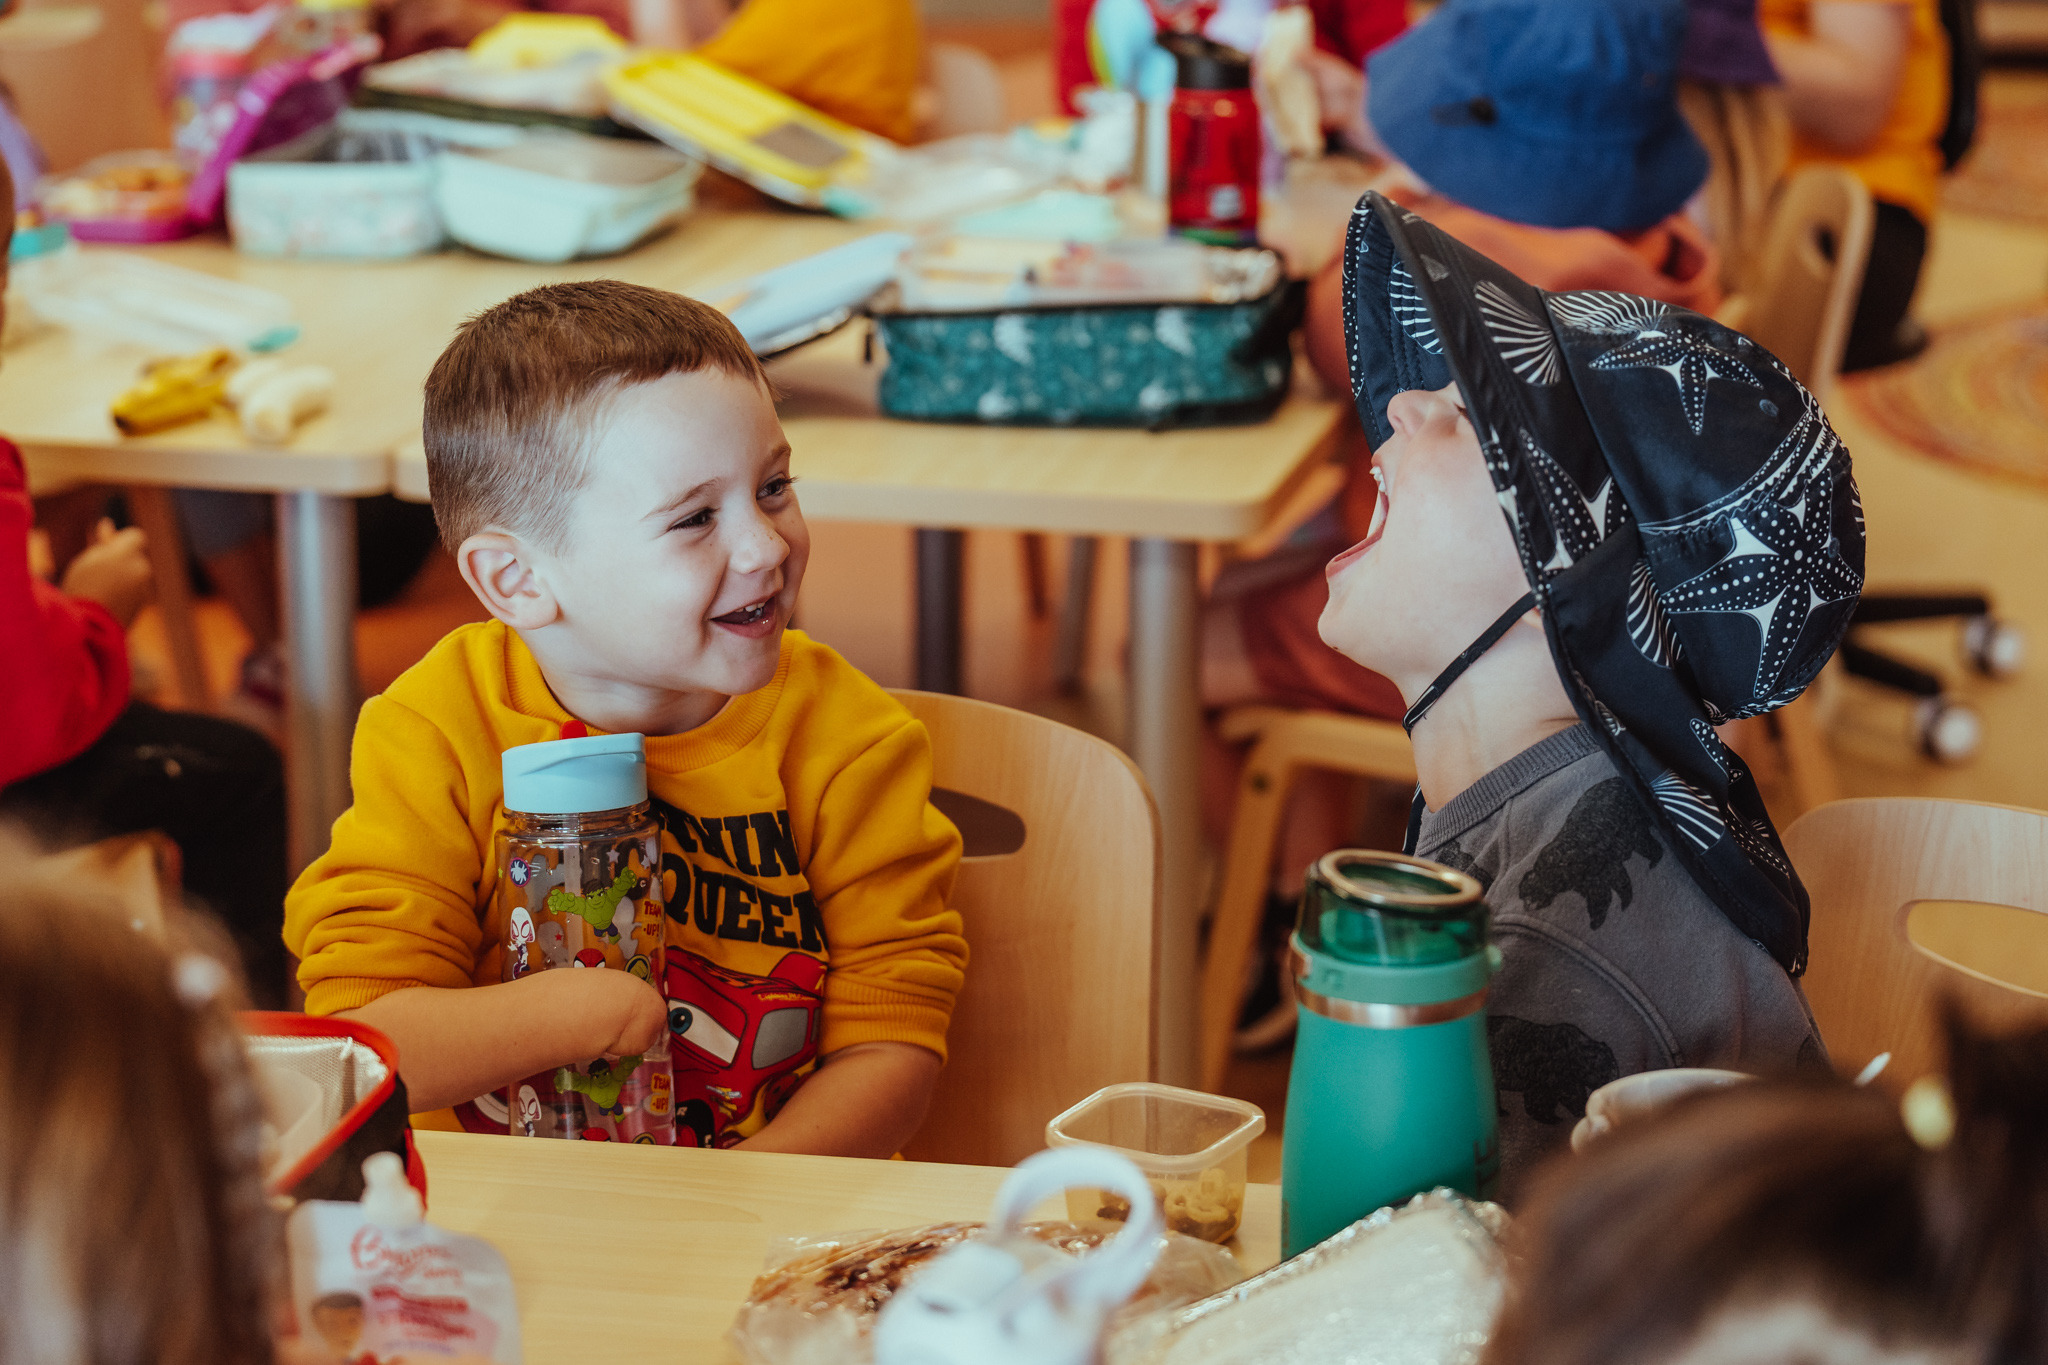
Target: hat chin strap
1441, 684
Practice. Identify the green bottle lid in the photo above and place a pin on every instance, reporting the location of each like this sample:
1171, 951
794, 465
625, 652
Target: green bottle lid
1391, 910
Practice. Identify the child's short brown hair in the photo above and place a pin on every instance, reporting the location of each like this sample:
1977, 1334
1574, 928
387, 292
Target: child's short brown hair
506, 426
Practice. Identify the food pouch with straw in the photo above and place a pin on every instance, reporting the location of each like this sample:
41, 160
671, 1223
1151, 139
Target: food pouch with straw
579, 889
374, 1282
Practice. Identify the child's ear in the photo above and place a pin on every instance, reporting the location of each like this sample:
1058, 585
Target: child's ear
499, 569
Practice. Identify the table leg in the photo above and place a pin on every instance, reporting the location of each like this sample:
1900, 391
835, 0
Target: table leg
939, 554
1166, 743
317, 564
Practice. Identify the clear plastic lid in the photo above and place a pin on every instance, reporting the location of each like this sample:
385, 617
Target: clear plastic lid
1391, 910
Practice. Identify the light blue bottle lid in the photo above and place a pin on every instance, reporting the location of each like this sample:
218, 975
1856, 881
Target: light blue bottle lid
576, 776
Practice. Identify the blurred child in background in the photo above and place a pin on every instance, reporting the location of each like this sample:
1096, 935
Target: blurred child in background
84, 761
133, 1224
1867, 85
1779, 1222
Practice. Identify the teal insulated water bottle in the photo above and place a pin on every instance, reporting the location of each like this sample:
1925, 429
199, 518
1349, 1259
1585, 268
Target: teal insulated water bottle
1392, 1088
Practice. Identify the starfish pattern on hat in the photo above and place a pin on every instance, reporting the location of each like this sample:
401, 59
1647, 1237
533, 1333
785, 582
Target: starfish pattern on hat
1680, 345
1578, 523
1686, 576
1783, 563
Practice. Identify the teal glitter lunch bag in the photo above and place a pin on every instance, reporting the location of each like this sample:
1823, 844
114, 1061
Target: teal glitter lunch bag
1095, 365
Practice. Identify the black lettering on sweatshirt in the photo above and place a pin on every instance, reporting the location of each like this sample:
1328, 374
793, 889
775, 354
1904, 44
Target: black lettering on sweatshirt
778, 849
776, 910
738, 922
810, 922
736, 829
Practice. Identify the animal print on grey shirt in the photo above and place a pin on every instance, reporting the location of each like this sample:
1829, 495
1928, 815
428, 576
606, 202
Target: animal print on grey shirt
1614, 960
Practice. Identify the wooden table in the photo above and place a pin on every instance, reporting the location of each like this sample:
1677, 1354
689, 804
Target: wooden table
644, 1254
380, 327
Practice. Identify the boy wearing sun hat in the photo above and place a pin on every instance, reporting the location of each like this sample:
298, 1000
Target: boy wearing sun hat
1549, 138
1606, 526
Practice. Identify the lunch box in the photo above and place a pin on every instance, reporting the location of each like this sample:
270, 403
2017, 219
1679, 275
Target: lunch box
553, 196
331, 1096
359, 188
1143, 363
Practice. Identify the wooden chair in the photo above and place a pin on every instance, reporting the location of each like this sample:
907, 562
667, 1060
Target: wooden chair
1059, 890
1283, 743
1914, 899
1811, 272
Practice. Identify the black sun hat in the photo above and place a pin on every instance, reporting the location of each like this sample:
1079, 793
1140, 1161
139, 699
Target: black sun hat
1684, 513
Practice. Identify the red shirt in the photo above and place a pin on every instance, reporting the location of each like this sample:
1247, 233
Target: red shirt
66, 672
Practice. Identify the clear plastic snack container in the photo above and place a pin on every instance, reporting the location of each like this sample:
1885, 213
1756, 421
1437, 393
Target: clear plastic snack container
1191, 1146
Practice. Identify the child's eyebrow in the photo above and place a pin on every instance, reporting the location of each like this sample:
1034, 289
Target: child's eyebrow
684, 498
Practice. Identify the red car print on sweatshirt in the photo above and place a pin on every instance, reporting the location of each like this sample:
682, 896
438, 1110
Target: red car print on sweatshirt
737, 1041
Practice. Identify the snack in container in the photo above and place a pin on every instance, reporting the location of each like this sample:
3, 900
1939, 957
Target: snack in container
1415, 1285
123, 197
1191, 1147
818, 1301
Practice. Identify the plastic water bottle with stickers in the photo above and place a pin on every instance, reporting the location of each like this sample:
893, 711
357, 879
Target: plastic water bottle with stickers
579, 889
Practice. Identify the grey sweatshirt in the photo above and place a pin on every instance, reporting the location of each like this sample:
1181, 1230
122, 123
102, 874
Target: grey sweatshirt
1615, 960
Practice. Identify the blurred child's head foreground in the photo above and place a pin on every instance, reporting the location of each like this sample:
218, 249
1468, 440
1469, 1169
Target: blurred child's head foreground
131, 1201
607, 466
1808, 1221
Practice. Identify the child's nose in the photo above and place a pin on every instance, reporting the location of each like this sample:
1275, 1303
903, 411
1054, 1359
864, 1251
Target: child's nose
759, 546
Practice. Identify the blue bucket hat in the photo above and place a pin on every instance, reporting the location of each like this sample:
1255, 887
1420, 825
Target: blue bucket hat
1556, 113
1685, 516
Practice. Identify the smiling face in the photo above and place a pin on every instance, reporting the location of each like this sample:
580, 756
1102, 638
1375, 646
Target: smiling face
1438, 564
683, 552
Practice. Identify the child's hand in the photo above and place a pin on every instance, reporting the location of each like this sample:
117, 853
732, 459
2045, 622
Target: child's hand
626, 1015
112, 571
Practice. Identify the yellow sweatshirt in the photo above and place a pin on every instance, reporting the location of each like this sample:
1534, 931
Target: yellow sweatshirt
803, 862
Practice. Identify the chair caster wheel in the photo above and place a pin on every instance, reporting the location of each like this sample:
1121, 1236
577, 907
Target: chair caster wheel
1995, 648
1949, 731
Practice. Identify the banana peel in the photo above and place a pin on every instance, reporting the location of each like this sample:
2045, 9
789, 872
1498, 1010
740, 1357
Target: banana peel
175, 391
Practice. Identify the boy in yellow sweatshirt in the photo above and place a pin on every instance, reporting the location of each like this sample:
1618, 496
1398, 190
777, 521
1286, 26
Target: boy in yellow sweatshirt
609, 471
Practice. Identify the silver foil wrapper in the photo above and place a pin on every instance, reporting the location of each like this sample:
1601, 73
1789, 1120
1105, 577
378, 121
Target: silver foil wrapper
1415, 1285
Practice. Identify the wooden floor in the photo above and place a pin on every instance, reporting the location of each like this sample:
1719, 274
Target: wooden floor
1931, 525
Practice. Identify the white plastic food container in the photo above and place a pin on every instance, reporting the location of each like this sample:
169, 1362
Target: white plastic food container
359, 188
553, 196
1191, 1147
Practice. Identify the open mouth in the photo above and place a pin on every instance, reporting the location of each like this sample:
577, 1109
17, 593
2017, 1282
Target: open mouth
751, 615
1372, 532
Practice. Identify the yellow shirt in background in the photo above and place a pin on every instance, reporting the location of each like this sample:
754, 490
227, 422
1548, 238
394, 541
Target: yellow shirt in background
1903, 165
804, 866
856, 60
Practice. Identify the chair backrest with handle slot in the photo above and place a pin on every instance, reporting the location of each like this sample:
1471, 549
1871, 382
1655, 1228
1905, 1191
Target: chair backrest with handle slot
1913, 899
1814, 254
1059, 891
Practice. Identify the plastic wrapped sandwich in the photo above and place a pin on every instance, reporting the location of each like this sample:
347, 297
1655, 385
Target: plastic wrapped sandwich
818, 1305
